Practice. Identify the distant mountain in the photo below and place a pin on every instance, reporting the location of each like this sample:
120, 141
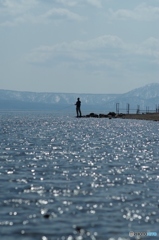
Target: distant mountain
147, 92
18, 100
146, 97
55, 98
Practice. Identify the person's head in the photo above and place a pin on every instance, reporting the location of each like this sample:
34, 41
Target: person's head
78, 98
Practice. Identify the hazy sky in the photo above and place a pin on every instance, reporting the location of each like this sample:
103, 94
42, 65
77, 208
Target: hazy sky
78, 46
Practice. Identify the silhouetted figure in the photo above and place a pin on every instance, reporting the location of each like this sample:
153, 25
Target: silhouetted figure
78, 107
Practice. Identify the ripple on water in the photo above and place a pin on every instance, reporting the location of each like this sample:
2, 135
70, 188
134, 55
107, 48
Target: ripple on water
66, 178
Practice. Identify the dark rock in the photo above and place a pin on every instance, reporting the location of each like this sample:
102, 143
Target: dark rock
101, 115
46, 215
113, 114
121, 115
92, 115
78, 229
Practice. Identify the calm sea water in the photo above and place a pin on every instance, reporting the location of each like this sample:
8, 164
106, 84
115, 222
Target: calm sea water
77, 179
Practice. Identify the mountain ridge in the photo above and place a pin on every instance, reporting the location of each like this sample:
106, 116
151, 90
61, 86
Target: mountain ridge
144, 97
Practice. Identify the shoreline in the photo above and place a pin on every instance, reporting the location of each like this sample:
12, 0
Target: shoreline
146, 116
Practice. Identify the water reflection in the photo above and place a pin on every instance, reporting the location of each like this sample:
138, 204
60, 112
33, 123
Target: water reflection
78, 179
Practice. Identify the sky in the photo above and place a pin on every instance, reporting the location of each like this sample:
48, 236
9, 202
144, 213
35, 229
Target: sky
78, 46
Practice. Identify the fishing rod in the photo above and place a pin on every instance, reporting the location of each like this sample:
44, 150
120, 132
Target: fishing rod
63, 108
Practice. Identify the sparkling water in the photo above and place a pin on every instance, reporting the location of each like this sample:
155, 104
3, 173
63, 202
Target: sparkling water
69, 178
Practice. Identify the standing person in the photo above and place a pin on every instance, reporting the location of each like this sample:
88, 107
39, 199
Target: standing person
78, 108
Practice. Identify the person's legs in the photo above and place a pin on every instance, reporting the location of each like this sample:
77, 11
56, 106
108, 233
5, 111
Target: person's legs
77, 111
80, 112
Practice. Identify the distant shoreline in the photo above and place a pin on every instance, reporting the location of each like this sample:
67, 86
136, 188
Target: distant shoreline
147, 116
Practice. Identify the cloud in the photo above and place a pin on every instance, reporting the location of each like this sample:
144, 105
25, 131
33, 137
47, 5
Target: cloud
31, 11
142, 12
104, 52
14, 12
62, 13
99, 53
96, 3
150, 47
72, 3
77, 49
14, 7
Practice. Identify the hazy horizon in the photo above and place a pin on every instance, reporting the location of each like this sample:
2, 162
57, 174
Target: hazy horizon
75, 92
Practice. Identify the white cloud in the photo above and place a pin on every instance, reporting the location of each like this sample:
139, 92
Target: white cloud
72, 3
14, 7
150, 47
77, 49
142, 12
22, 11
14, 12
96, 3
62, 13
104, 52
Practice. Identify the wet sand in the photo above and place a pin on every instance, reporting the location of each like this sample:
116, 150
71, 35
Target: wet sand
147, 116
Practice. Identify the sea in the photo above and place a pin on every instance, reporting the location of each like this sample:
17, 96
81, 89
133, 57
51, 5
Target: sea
68, 178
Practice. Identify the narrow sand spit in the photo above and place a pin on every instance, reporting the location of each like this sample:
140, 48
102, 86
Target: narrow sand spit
147, 116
